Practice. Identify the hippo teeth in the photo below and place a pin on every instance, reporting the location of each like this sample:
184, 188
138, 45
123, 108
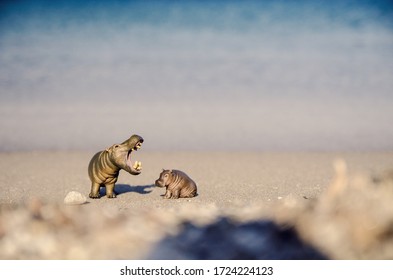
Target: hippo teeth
137, 165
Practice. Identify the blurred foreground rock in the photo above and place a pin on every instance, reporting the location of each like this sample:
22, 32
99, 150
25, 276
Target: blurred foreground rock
226, 239
353, 219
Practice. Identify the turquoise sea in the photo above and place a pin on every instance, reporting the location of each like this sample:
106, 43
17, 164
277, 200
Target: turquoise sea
197, 75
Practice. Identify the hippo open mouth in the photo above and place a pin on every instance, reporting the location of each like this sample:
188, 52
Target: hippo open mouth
137, 166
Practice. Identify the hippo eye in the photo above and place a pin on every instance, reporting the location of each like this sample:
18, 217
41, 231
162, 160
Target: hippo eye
166, 175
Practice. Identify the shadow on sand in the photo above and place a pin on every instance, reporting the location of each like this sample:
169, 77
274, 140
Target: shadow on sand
123, 188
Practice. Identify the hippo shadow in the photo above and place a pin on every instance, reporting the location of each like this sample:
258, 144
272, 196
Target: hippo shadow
124, 188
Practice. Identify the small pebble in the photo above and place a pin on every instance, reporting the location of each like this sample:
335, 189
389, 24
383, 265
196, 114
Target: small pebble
75, 198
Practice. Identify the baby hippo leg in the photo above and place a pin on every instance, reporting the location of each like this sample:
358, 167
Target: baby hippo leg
175, 193
168, 194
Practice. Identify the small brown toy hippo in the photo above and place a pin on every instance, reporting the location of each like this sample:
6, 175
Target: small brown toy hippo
104, 167
177, 184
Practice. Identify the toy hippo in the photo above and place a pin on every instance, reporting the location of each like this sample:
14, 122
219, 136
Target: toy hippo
105, 165
177, 184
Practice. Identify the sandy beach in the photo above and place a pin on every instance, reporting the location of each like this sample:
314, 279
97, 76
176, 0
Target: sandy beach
245, 186
225, 180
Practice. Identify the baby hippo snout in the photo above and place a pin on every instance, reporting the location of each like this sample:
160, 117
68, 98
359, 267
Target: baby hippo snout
158, 183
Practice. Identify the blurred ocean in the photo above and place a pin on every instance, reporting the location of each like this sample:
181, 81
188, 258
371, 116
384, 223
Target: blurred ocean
197, 75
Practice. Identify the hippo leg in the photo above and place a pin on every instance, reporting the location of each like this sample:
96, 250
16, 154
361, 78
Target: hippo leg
168, 194
175, 194
110, 190
95, 190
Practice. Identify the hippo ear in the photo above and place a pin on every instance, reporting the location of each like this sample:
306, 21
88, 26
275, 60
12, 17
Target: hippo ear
111, 147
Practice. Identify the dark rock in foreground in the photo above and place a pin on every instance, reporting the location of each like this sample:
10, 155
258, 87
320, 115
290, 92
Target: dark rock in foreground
227, 240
